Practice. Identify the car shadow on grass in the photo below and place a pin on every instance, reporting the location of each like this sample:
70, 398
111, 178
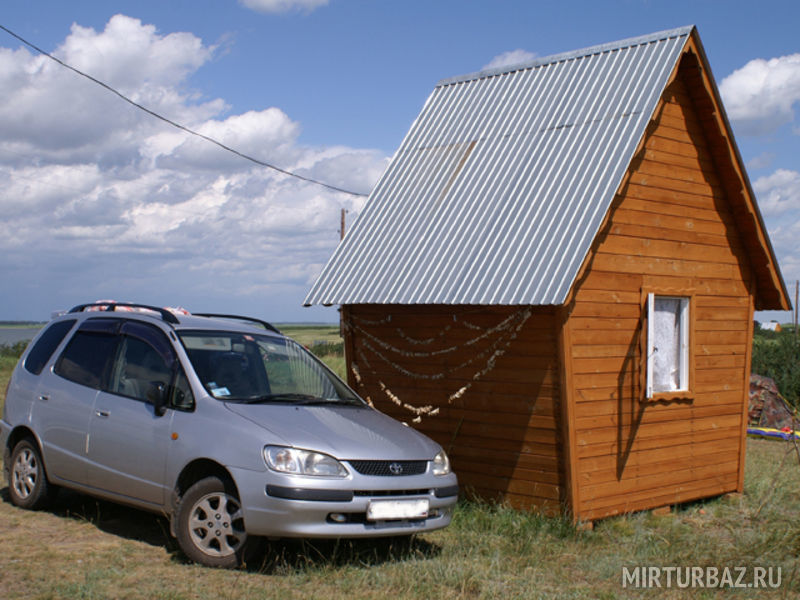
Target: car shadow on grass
294, 556
109, 517
273, 557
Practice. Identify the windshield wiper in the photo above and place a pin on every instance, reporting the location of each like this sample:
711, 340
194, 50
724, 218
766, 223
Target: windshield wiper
298, 399
293, 398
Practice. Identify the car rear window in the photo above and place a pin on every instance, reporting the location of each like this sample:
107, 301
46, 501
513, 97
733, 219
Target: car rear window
47, 343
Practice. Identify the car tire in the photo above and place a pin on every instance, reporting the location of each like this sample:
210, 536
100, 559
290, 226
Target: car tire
210, 525
27, 479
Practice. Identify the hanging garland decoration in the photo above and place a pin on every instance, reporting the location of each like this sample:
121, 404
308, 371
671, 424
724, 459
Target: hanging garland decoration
500, 328
388, 319
507, 331
384, 321
357, 375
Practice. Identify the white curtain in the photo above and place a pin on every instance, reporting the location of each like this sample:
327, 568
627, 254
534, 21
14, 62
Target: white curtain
666, 344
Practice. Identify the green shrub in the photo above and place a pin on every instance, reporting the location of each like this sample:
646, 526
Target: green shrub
328, 349
13, 350
777, 355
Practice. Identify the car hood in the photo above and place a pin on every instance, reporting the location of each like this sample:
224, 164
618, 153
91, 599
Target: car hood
345, 432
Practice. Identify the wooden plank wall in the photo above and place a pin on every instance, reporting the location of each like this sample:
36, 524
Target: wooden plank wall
502, 431
670, 229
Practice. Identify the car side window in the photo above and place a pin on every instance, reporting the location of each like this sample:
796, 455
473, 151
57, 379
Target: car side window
138, 366
146, 358
47, 343
182, 397
87, 358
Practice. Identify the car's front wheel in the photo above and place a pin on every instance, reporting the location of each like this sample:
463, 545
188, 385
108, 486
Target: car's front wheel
28, 485
210, 524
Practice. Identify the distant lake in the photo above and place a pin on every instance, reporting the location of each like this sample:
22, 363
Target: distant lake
12, 335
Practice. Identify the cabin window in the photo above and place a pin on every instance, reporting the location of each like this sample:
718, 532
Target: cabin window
667, 344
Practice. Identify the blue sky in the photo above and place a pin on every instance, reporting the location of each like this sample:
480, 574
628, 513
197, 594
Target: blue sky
102, 201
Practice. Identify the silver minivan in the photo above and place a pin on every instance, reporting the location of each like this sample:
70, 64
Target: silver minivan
228, 427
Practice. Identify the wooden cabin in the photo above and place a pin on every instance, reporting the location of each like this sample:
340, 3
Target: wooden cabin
556, 278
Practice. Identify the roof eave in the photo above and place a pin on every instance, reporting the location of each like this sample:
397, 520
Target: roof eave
770, 290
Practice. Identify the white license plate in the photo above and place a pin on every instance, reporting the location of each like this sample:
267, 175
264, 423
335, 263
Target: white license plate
383, 510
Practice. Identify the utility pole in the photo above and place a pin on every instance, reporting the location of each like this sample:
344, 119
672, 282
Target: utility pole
796, 290
341, 234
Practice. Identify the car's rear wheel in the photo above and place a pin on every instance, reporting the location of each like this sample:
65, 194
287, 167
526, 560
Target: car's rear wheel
28, 485
210, 524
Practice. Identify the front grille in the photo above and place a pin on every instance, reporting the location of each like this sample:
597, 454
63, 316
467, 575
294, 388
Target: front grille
390, 468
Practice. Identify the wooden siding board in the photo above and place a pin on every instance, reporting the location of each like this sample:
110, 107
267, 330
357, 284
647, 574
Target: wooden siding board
646, 458
698, 488
639, 229
511, 470
645, 474
661, 430
612, 447
654, 414
658, 483
676, 224
673, 203
604, 401
664, 266
526, 460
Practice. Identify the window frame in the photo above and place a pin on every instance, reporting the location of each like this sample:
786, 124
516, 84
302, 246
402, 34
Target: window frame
686, 344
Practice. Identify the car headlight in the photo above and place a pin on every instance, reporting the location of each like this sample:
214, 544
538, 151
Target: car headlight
441, 464
302, 462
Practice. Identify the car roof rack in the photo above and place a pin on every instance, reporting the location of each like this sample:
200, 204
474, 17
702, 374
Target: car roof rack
166, 315
264, 324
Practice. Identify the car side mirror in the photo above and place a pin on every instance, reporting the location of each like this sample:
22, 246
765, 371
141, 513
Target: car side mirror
157, 396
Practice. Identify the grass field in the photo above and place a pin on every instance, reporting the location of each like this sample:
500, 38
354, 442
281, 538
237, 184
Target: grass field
88, 549
309, 334
323, 340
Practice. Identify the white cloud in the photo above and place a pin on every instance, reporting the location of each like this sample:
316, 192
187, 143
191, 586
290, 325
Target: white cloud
283, 6
102, 200
57, 115
778, 193
128, 54
268, 135
762, 161
760, 97
779, 199
512, 57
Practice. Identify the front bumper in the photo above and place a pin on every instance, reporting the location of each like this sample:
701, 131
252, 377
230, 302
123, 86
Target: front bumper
302, 507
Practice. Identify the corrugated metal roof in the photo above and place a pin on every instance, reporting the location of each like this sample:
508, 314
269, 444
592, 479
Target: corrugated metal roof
500, 186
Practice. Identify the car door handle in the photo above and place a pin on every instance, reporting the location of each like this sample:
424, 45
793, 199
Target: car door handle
102, 413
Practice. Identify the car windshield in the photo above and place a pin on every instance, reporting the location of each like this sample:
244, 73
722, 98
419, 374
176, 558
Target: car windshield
252, 368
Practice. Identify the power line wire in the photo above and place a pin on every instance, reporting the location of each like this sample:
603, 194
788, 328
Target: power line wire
178, 125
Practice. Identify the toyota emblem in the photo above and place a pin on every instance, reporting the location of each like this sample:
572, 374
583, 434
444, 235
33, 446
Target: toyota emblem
396, 468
